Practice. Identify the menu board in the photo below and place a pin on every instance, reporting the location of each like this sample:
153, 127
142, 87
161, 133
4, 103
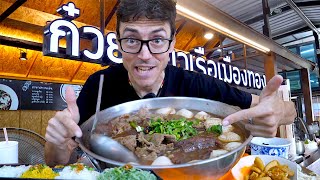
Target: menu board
31, 95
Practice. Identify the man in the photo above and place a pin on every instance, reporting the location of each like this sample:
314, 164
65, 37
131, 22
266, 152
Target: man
146, 36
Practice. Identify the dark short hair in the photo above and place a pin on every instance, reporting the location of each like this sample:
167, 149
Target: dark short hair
133, 10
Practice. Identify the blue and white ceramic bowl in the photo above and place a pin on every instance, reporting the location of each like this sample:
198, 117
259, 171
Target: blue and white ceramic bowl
270, 146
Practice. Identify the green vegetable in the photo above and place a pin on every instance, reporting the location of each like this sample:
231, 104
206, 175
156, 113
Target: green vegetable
180, 128
215, 129
121, 173
133, 124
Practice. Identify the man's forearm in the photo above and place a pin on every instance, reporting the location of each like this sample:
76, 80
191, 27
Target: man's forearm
55, 155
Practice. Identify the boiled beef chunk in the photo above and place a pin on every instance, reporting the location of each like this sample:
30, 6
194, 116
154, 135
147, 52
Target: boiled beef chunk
196, 143
144, 113
128, 141
146, 153
143, 141
157, 139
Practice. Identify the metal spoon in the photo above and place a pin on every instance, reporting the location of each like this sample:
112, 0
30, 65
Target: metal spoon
104, 145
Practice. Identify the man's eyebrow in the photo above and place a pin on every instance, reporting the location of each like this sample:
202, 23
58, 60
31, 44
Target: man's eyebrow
158, 30
130, 30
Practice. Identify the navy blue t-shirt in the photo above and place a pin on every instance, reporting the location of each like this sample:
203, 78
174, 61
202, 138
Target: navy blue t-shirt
177, 82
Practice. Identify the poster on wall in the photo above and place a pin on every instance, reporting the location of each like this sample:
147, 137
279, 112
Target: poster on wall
9, 94
31, 95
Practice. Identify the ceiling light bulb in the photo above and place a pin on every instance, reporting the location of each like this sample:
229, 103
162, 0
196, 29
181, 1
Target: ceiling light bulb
208, 35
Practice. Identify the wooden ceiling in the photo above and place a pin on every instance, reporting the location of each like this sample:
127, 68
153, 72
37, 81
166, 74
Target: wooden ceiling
27, 22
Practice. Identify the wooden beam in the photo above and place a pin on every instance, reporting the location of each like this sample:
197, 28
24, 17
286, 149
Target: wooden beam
8, 41
190, 40
76, 71
307, 94
221, 39
270, 66
102, 22
33, 16
11, 9
112, 12
224, 46
31, 66
245, 56
181, 26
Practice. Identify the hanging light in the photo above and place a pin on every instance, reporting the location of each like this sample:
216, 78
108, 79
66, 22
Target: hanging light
208, 35
23, 56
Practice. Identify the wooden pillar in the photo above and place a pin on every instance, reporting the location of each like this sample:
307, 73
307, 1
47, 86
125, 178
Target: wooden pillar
270, 66
307, 94
245, 56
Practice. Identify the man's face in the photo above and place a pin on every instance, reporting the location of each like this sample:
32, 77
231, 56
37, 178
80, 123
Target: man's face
145, 68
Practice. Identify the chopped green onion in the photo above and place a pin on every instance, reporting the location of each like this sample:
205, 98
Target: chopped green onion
180, 128
215, 129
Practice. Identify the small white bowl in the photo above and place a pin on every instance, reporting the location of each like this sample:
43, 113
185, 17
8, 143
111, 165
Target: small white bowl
270, 146
249, 160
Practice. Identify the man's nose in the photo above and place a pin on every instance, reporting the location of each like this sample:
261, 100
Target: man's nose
144, 54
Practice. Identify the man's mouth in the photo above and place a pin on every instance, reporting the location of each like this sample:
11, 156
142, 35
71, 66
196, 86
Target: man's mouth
144, 69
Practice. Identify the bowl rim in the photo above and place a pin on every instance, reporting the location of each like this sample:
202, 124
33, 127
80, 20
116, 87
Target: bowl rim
259, 143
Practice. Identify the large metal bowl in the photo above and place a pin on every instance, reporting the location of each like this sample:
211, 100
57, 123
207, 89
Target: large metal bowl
214, 168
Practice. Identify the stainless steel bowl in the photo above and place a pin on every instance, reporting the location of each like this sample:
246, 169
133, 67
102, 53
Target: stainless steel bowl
215, 167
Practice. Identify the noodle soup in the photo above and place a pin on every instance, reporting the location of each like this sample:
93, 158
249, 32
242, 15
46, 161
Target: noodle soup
169, 136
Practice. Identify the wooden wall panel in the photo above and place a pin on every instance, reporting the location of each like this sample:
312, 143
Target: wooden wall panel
10, 62
86, 70
9, 118
36, 121
31, 120
45, 117
53, 68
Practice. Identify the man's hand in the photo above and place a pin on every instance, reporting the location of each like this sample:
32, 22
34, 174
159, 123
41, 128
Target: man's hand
64, 125
268, 114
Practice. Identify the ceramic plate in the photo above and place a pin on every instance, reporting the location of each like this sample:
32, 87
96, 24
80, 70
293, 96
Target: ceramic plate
13, 96
248, 161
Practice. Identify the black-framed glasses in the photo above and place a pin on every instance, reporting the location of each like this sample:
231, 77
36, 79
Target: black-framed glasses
155, 46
